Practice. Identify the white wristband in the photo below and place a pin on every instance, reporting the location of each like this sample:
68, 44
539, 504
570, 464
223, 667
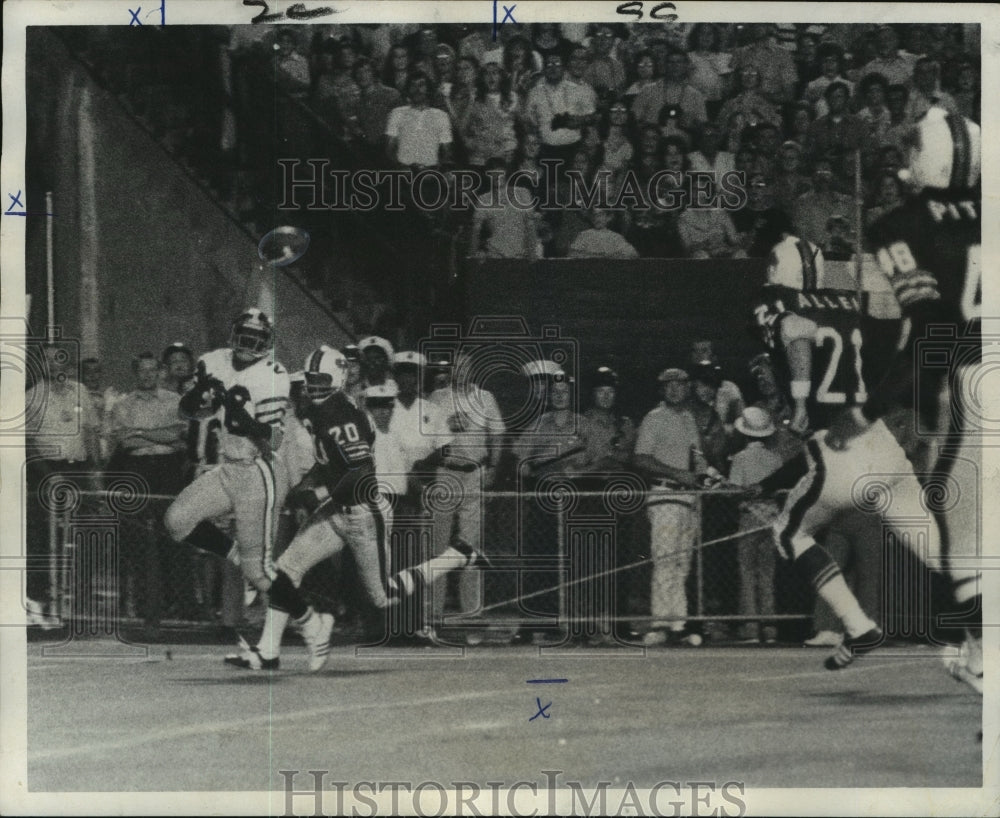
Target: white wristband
322, 493
800, 389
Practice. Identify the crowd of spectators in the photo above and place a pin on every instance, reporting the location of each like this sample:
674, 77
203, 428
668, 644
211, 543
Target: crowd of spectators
703, 432
791, 108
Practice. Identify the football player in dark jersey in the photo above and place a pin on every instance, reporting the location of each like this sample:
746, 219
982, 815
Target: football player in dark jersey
816, 334
341, 494
929, 247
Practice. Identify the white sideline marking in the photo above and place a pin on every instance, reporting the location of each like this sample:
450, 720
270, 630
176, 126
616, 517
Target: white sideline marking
833, 674
172, 733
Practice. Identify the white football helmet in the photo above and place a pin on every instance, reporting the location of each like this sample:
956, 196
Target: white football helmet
252, 335
795, 263
325, 373
945, 152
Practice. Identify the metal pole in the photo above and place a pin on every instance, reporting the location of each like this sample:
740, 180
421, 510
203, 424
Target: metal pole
561, 556
55, 601
858, 226
699, 565
50, 286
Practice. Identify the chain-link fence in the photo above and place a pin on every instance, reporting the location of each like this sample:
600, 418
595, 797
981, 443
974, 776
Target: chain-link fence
581, 559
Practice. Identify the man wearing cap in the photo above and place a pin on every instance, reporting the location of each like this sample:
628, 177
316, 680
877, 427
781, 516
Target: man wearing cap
390, 463
756, 550
552, 447
420, 425
376, 358
354, 386
473, 417
668, 449
556, 444
608, 435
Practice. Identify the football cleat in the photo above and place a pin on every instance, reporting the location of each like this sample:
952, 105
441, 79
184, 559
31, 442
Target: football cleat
317, 639
476, 558
250, 659
961, 666
853, 647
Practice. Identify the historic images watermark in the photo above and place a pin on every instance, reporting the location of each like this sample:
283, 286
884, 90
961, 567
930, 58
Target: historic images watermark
550, 795
312, 184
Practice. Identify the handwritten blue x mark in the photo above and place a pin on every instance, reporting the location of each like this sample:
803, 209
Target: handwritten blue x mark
541, 710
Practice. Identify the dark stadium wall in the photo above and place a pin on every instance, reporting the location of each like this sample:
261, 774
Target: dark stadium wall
168, 264
636, 316
641, 316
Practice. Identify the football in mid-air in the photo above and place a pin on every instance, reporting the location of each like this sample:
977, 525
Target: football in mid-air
283, 246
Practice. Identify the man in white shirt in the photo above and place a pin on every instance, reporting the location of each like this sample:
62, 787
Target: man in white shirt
417, 134
559, 108
62, 435
473, 417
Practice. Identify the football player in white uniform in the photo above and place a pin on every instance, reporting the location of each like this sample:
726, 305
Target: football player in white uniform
247, 390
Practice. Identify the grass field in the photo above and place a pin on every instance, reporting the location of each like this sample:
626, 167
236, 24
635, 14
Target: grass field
765, 717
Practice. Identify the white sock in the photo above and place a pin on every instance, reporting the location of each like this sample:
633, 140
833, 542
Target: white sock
845, 605
269, 644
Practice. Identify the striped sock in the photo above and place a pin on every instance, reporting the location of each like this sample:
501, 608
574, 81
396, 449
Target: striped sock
820, 569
